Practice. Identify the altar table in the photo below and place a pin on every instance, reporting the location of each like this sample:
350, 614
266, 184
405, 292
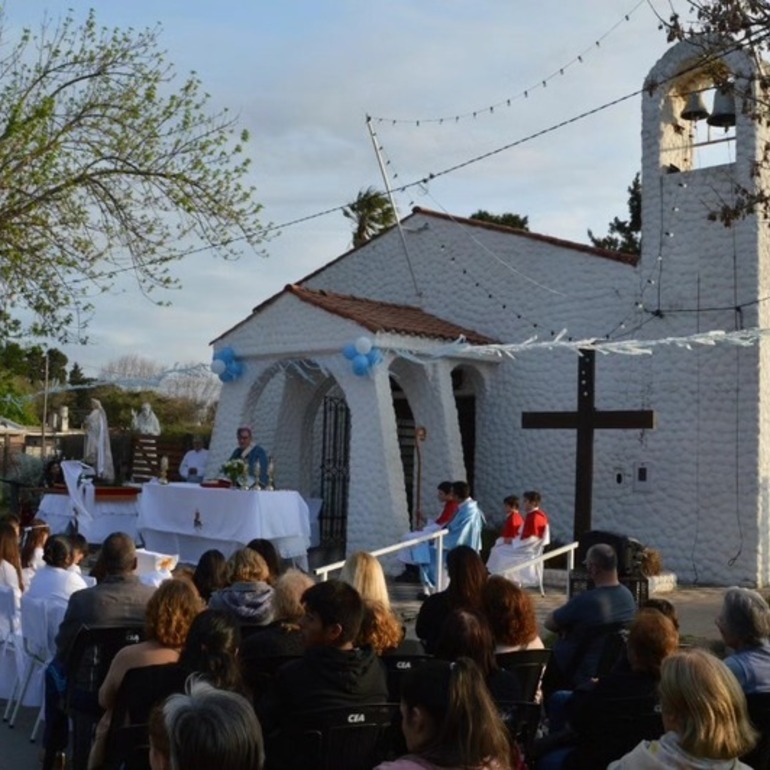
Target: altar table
189, 519
114, 512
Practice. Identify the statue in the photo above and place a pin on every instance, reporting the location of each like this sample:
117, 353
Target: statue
98, 452
146, 421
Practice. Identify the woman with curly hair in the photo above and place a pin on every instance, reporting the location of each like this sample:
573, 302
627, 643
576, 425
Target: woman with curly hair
170, 612
380, 629
247, 594
511, 616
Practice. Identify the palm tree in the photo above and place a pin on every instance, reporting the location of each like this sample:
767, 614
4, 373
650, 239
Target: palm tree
371, 212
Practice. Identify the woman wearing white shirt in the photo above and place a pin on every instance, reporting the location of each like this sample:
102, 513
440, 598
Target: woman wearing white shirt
54, 580
10, 562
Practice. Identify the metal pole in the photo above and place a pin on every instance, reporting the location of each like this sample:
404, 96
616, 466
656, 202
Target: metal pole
45, 410
389, 192
440, 563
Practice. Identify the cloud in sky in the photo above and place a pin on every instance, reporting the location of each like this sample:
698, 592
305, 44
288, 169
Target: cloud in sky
303, 74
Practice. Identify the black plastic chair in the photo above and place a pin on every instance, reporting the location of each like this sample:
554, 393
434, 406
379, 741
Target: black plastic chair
616, 727
759, 713
529, 666
259, 672
396, 666
128, 743
521, 719
350, 738
88, 661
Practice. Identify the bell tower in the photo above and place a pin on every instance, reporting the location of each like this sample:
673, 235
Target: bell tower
705, 267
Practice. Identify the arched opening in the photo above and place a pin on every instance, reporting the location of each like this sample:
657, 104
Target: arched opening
464, 389
405, 426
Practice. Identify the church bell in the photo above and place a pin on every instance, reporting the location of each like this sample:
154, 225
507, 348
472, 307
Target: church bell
723, 114
695, 109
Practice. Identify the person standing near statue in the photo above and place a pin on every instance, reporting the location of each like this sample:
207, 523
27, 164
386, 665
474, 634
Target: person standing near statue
98, 452
146, 421
193, 463
252, 454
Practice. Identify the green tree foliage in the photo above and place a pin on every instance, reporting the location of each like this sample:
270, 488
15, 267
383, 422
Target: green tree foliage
507, 220
371, 213
625, 234
107, 167
29, 362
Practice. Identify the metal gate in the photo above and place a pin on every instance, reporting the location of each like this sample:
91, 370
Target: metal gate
335, 471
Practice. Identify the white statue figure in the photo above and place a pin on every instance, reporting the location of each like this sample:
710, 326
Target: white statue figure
146, 421
97, 451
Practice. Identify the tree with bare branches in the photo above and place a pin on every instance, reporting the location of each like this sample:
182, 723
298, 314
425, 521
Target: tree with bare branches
108, 164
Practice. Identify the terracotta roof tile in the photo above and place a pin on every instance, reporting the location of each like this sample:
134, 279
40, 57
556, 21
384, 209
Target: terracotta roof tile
386, 316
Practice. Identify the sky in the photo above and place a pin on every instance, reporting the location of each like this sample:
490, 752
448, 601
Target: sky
302, 75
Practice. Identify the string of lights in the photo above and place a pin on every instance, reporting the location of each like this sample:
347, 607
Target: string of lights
524, 94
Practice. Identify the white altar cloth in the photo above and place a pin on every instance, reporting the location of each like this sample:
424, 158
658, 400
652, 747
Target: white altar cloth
189, 519
108, 516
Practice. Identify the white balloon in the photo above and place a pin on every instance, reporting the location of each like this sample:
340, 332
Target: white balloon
218, 366
363, 345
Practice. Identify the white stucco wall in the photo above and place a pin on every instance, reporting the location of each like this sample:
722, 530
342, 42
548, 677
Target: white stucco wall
705, 504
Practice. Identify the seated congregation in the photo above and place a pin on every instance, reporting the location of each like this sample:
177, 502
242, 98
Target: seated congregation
242, 665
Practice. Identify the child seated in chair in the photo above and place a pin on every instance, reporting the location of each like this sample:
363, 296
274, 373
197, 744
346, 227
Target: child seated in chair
519, 540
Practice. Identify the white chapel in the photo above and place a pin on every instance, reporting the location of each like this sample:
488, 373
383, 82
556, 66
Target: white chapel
440, 303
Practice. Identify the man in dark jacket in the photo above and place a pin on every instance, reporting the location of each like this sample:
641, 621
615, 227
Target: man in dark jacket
333, 672
118, 600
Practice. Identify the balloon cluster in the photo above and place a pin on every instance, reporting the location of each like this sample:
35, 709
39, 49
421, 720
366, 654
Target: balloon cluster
226, 365
362, 355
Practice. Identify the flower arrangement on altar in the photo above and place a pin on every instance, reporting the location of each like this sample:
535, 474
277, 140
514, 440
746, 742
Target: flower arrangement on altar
237, 471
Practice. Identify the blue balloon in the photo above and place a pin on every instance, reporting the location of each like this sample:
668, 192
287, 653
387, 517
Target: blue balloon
226, 355
374, 357
226, 376
349, 351
235, 367
360, 365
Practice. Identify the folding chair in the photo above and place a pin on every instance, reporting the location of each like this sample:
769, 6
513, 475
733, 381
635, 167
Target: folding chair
759, 713
10, 646
259, 673
128, 743
529, 666
521, 719
617, 726
350, 738
396, 667
87, 665
36, 617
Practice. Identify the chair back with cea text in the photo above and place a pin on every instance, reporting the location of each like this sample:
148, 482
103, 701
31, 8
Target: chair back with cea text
529, 666
349, 738
396, 667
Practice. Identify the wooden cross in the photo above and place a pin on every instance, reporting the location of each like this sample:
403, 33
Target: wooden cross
585, 421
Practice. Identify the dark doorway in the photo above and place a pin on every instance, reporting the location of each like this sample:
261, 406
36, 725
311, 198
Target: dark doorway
465, 401
335, 471
406, 441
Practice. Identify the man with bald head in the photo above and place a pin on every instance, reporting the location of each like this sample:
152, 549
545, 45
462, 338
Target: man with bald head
576, 653
119, 599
